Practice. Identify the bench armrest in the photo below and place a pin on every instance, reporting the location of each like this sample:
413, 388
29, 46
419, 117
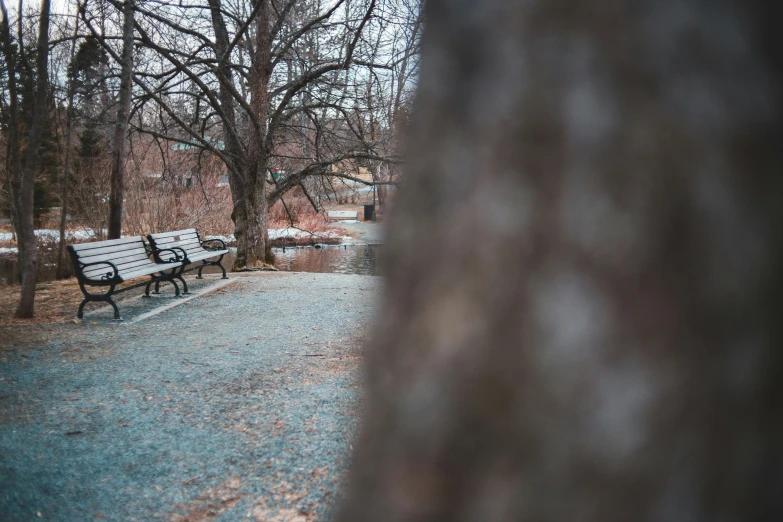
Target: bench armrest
105, 277
173, 250
222, 243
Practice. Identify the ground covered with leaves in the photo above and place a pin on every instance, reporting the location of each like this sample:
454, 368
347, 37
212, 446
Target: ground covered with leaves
239, 404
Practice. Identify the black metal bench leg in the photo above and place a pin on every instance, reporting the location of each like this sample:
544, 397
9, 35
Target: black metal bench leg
98, 298
224, 271
185, 290
116, 310
199, 271
80, 312
147, 288
157, 287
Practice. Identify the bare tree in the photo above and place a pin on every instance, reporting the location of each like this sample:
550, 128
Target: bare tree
233, 89
65, 170
579, 319
121, 124
23, 174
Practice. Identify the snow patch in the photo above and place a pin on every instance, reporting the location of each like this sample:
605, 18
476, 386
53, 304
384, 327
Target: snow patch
288, 233
47, 233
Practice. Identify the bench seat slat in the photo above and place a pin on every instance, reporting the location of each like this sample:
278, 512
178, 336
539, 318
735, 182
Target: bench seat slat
110, 249
115, 256
170, 235
163, 235
203, 251
169, 244
133, 265
193, 248
178, 244
147, 270
79, 247
122, 268
206, 254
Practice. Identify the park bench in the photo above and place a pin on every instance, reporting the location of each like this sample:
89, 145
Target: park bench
192, 248
109, 263
336, 215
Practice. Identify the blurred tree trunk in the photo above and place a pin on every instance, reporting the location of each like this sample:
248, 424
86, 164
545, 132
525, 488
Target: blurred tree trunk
579, 319
121, 126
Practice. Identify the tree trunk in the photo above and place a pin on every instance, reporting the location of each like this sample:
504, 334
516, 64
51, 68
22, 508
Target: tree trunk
246, 175
250, 222
13, 146
580, 316
256, 232
66, 169
121, 126
23, 178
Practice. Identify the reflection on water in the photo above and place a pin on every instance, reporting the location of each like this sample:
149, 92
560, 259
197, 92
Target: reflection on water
336, 259
339, 259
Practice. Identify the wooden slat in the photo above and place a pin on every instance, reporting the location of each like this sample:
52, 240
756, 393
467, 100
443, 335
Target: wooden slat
114, 256
191, 253
125, 260
163, 235
191, 247
148, 270
171, 241
120, 267
206, 254
122, 264
107, 269
134, 264
111, 242
180, 244
175, 236
110, 249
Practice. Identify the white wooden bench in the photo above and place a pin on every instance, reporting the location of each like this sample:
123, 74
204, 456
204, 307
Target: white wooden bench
109, 263
342, 214
192, 248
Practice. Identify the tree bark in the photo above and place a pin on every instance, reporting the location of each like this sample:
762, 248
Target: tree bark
23, 176
580, 315
248, 171
121, 126
13, 146
66, 169
258, 255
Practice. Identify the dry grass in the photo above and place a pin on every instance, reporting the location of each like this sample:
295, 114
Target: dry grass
55, 302
304, 218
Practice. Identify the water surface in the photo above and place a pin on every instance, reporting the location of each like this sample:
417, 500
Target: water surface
337, 259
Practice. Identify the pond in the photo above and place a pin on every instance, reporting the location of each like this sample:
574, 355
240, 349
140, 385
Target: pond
338, 259
335, 259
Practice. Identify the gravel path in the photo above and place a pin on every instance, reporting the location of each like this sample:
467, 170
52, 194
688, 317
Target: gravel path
246, 413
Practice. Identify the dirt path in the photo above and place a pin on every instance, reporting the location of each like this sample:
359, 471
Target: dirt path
248, 413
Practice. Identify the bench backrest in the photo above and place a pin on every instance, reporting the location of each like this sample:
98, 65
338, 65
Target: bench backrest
126, 253
188, 240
